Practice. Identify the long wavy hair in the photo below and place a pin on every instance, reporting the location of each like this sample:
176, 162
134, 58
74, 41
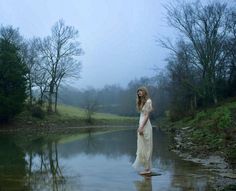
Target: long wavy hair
140, 101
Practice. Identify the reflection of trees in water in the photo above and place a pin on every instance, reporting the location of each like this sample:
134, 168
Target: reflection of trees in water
44, 171
117, 144
162, 157
12, 165
111, 145
185, 173
190, 176
190, 183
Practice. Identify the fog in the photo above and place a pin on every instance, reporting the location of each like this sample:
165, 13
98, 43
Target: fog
118, 37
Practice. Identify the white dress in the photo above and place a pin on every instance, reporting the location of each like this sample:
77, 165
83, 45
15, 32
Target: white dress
144, 142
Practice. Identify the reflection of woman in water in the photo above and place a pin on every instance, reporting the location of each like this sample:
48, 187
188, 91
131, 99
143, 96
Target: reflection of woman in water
144, 133
144, 185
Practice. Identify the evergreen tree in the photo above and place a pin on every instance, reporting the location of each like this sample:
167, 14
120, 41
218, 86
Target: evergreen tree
12, 80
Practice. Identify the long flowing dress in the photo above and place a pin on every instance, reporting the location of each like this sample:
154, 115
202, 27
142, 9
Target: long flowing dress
144, 142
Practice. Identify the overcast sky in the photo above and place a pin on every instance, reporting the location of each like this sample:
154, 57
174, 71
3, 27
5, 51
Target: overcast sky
117, 36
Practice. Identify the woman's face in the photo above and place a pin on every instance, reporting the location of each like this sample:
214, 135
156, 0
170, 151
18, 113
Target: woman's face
140, 93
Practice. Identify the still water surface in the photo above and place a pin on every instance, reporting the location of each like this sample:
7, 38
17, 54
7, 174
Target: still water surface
89, 160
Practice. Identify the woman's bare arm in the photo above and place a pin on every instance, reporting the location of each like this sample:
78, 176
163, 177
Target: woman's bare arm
142, 125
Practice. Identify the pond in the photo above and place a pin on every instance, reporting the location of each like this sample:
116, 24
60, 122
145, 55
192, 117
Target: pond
92, 160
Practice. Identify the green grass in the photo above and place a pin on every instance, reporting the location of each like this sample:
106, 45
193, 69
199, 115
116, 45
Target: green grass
211, 130
211, 127
73, 116
75, 113
70, 111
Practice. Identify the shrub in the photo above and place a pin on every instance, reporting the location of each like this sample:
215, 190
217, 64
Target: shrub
37, 111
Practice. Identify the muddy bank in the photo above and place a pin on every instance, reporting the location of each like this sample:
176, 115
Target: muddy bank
214, 161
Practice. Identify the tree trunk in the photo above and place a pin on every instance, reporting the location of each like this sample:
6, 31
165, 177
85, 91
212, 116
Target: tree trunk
30, 93
56, 95
50, 98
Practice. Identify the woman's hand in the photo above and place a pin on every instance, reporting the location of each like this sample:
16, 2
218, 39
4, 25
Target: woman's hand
140, 131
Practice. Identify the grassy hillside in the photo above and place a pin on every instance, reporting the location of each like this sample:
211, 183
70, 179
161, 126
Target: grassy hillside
72, 116
210, 131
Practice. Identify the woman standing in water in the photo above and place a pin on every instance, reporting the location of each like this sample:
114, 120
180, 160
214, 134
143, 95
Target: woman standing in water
144, 133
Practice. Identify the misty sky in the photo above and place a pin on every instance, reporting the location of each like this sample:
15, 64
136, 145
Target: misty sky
117, 36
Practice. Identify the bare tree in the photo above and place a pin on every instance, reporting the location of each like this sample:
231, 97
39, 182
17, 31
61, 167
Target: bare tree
230, 49
68, 68
205, 28
41, 79
30, 56
59, 53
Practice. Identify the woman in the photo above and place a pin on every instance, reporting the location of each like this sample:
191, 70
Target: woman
144, 132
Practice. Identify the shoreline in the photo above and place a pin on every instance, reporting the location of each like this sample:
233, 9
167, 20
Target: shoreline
214, 162
55, 128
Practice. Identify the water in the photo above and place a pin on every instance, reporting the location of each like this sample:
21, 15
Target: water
92, 161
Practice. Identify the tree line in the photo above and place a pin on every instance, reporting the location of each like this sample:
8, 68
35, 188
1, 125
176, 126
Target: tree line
116, 99
200, 69
41, 64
